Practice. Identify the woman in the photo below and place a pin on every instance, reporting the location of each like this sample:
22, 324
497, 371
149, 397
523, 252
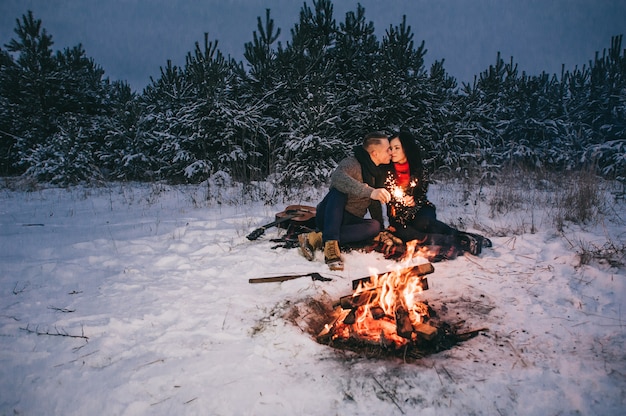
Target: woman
411, 215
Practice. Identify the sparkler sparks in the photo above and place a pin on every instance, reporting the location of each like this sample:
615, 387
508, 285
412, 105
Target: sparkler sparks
398, 193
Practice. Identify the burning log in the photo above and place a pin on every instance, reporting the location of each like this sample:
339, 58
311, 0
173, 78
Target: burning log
326, 334
425, 331
357, 299
370, 296
419, 270
377, 312
350, 317
404, 327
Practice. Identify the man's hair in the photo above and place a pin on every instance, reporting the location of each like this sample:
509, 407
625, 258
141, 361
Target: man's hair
372, 139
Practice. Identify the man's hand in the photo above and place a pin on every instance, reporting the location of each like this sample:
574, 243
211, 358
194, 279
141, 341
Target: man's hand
381, 194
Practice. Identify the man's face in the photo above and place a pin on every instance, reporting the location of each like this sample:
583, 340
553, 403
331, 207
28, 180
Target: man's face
382, 153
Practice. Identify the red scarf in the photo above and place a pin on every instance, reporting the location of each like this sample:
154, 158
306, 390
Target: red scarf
403, 174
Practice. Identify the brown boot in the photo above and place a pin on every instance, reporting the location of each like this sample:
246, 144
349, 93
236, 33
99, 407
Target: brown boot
332, 255
309, 242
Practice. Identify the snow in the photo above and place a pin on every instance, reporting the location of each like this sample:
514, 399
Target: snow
149, 286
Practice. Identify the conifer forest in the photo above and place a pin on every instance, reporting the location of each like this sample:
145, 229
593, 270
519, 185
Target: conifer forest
289, 112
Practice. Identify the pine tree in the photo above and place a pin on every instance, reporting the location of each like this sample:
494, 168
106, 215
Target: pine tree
401, 84
356, 53
606, 117
155, 152
8, 121
26, 87
261, 55
116, 154
56, 104
193, 123
263, 95
313, 141
221, 124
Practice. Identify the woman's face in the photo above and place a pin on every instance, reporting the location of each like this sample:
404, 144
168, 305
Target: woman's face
397, 152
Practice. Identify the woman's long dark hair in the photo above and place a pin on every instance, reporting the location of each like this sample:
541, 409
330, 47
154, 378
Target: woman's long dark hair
412, 151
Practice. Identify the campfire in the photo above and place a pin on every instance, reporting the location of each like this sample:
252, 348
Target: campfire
384, 310
386, 315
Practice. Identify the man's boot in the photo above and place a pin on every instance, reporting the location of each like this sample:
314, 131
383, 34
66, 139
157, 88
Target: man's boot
309, 242
332, 255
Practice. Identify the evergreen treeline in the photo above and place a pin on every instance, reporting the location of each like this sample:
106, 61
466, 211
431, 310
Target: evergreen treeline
290, 112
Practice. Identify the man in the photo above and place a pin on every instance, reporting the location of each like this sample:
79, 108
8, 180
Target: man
356, 185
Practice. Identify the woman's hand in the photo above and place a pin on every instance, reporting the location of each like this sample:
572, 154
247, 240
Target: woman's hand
408, 201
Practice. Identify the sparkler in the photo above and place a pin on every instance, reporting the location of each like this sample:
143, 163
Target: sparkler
403, 208
398, 193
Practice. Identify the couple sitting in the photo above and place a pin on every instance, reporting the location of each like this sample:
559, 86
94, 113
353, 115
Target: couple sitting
361, 182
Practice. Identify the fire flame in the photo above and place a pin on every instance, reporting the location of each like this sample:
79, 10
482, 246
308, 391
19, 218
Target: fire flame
383, 309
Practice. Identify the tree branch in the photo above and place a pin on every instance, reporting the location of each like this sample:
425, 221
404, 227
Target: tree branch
58, 333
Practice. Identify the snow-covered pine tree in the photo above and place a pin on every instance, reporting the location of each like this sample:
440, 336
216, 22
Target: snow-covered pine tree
260, 55
25, 87
157, 151
81, 108
263, 94
607, 95
225, 118
541, 123
193, 123
455, 143
607, 112
401, 85
356, 54
8, 129
120, 138
57, 103
69, 155
465, 148
313, 140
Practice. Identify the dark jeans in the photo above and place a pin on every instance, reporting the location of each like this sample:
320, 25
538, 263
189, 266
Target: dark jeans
336, 223
427, 229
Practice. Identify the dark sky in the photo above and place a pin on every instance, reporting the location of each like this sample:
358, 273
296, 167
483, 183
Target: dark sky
131, 39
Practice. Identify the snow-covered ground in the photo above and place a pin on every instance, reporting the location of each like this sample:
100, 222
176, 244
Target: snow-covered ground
134, 299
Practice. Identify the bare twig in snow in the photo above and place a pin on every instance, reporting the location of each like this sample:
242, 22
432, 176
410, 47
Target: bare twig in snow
160, 360
445, 370
17, 291
225, 315
391, 396
516, 352
64, 310
57, 333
